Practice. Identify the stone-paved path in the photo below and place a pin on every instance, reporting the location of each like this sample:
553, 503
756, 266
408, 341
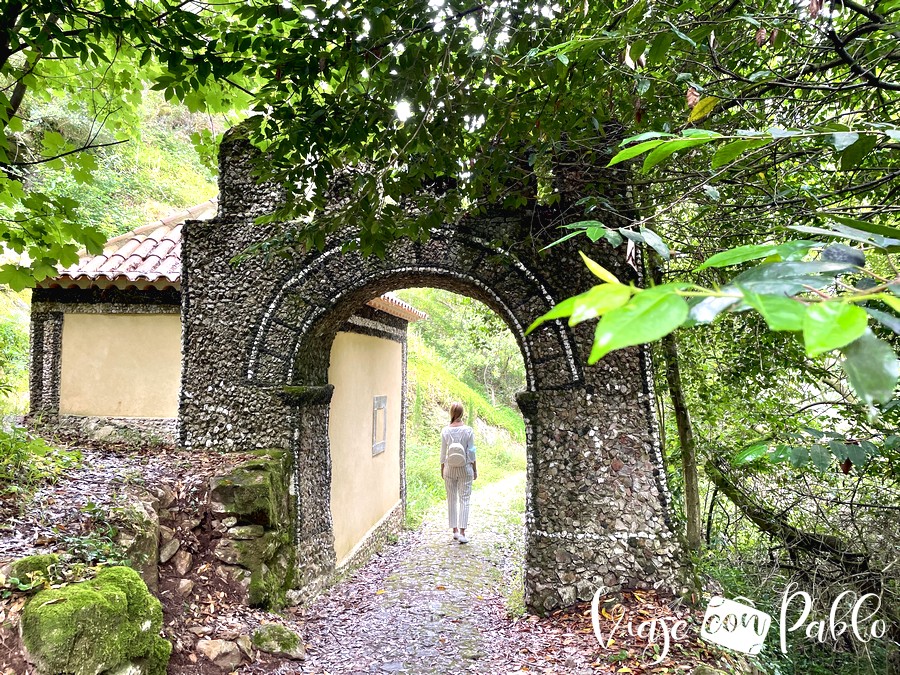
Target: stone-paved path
430, 605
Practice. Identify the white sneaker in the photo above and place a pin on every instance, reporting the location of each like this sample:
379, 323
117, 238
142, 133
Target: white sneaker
456, 536
462, 539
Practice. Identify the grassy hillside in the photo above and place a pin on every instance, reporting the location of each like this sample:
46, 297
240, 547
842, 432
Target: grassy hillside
14, 317
157, 171
472, 342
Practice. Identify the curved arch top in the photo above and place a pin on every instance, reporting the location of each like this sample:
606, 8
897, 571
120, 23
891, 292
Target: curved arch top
308, 302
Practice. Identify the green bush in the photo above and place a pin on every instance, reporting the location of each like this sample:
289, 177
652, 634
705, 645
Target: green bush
26, 460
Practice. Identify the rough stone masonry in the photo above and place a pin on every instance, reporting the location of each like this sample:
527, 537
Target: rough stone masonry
257, 338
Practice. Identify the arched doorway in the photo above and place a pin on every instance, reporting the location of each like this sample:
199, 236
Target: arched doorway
257, 339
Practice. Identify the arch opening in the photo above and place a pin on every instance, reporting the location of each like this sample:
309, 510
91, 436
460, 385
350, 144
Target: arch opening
442, 361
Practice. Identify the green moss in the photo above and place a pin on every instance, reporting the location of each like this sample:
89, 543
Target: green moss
271, 560
275, 638
156, 662
299, 395
95, 626
33, 567
257, 490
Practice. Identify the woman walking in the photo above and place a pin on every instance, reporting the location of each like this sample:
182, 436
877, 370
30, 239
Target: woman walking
458, 469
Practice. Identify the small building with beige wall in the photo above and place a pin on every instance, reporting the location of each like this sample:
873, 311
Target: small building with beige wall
106, 352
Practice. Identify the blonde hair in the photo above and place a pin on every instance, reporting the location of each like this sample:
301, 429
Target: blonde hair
456, 411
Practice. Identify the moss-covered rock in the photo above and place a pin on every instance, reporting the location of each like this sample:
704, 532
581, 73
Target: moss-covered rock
108, 624
257, 491
32, 567
273, 577
255, 497
139, 536
275, 639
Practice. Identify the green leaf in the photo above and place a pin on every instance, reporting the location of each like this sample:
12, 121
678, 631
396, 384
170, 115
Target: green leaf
53, 144
799, 456
681, 35
852, 451
795, 250
857, 454
633, 151
595, 233
820, 456
598, 270
659, 47
16, 277
866, 226
614, 238
779, 133
843, 139
780, 453
598, 301
831, 325
649, 315
779, 312
789, 278
887, 320
872, 368
558, 311
705, 310
647, 135
731, 151
849, 233
852, 156
563, 238
738, 255
750, 455
637, 50
654, 241
703, 108
668, 148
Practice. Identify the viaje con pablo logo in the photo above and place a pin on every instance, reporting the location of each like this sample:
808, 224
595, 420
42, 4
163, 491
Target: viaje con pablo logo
740, 627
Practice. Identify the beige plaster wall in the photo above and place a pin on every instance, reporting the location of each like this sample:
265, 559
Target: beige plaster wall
120, 365
363, 488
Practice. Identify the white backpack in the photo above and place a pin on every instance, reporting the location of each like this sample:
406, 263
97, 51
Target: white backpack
456, 453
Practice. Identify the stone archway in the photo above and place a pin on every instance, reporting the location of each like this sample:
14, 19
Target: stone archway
257, 339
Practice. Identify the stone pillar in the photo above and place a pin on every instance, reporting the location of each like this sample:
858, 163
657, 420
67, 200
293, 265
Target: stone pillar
45, 362
310, 408
596, 504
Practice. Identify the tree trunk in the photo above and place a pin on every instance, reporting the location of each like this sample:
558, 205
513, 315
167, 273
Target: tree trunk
688, 445
685, 430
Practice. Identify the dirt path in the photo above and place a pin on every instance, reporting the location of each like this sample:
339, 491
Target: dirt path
430, 605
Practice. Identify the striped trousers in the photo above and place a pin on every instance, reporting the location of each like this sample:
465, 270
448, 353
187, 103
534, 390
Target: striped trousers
458, 481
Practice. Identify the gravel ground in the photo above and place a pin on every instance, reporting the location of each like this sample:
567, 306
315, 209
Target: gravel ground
70, 507
425, 604
431, 605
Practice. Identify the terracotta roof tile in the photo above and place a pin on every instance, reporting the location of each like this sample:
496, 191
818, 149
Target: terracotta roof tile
391, 304
151, 256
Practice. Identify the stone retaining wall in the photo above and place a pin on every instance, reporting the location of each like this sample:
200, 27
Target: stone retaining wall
254, 512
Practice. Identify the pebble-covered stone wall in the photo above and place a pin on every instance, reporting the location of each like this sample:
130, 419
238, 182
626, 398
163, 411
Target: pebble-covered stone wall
257, 338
